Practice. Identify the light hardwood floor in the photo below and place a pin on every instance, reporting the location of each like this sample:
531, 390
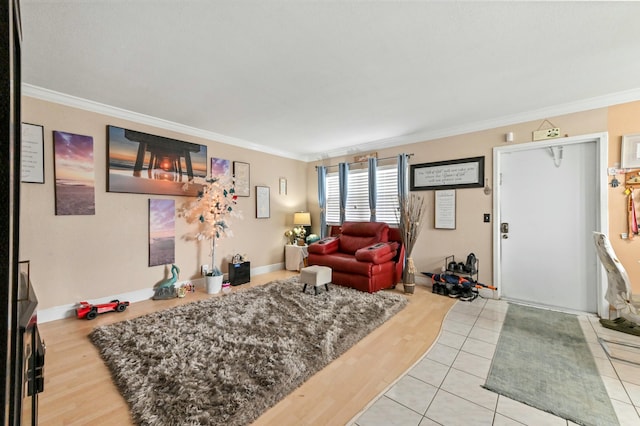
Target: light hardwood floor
79, 389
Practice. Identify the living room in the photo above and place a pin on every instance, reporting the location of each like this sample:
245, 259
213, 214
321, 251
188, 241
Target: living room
106, 255
115, 239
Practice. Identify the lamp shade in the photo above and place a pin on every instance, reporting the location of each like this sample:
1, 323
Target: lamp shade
302, 218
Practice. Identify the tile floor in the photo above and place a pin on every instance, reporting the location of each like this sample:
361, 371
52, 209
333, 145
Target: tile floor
445, 386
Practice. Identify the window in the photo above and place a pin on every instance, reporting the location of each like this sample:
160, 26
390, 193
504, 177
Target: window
332, 205
358, 196
387, 204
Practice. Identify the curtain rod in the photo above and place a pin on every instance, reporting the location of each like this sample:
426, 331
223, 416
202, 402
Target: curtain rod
359, 162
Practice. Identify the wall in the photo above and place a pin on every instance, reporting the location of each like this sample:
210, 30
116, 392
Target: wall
471, 233
76, 258
87, 257
623, 119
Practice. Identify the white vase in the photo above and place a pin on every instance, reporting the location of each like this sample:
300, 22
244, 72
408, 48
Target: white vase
214, 283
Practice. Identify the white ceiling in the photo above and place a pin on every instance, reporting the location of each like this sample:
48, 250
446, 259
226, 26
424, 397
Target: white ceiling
310, 79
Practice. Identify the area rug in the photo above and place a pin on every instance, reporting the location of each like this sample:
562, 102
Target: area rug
227, 359
542, 359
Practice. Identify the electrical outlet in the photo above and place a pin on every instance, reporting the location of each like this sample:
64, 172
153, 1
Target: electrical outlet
487, 217
624, 235
546, 134
205, 269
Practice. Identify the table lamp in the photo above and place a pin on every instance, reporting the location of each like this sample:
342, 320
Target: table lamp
303, 219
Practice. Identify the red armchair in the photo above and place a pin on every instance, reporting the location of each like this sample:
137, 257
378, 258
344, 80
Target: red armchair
368, 256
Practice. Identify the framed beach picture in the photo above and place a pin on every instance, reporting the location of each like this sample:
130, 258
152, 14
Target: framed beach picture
162, 232
74, 174
241, 177
147, 164
220, 167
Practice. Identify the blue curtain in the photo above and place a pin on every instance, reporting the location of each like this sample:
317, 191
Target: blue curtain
403, 181
373, 187
322, 199
343, 176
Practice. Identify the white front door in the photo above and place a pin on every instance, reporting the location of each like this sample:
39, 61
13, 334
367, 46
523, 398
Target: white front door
549, 200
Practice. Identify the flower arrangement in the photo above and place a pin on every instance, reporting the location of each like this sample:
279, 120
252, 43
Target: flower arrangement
211, 209
295, 234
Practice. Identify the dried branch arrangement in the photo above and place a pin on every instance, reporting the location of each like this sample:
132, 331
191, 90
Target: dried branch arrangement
411, 213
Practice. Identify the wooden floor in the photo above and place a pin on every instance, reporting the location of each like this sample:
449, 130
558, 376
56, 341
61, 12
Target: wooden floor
79, 389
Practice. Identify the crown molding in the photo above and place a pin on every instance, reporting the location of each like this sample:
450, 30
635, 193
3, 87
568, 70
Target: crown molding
99, 108
552, 111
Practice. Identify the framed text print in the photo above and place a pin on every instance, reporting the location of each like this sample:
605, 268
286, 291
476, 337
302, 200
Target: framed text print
262, 202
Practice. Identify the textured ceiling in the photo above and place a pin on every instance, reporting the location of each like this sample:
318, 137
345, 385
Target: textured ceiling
308, 79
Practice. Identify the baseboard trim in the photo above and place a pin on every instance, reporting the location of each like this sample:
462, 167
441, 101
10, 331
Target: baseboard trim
69, 310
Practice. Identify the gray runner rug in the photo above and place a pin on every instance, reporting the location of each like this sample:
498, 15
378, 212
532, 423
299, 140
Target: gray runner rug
543, 360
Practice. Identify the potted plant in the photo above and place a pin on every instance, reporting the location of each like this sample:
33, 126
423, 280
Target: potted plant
211, 210
411, 212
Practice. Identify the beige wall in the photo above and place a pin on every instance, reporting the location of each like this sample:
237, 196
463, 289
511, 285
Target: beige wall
76, 258
86, 257
471, 233
623, 120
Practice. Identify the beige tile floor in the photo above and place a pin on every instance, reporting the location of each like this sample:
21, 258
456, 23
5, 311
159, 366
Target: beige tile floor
445, 386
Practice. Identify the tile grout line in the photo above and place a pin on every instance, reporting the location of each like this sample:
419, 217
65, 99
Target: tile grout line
450, 367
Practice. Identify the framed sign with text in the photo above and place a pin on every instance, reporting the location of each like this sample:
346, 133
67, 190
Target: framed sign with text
32, 153
450, 174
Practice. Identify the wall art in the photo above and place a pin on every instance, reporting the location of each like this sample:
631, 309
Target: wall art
220, 167
162, 232
32, 153
262, 202
241, 175
445, 209
146, 164
630, 152
450, 174
74, 173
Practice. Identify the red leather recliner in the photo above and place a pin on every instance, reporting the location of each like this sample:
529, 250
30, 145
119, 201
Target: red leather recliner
368, 256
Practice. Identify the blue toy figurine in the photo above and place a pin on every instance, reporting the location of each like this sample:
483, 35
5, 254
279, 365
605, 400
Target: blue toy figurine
166, 288
169, 282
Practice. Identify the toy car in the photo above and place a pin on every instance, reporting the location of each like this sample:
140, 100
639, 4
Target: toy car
89, 311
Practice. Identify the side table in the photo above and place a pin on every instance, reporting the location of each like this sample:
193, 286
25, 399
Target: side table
295, 257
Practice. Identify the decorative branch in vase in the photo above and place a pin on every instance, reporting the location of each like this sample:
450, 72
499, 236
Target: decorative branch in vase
411, 223
211, 210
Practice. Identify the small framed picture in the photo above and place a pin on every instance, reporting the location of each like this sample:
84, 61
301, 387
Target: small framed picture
241, 174
32, 153
283, 186
630, 152
262, 202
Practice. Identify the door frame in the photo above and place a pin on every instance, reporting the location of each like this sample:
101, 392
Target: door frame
602, 209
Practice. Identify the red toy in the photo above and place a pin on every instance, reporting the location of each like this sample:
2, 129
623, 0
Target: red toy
89, 311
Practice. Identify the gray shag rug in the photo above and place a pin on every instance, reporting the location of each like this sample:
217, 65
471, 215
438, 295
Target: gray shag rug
542, 359
226, 360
